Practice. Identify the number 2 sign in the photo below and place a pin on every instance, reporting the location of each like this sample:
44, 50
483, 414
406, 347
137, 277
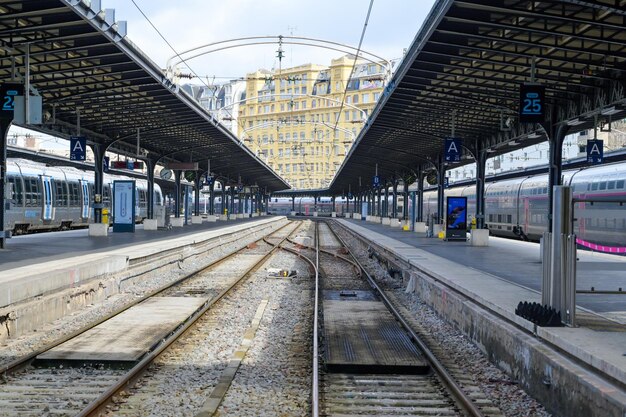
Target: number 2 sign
532, 103
8, 91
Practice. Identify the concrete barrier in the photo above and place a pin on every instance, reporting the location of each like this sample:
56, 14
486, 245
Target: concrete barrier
394, 223
211, 218
333, 214
315, 214
177, 221
150, 224
293, 213
437, 229
98, 229
357, 216
480, 237
420, 227
386, 221
196, 219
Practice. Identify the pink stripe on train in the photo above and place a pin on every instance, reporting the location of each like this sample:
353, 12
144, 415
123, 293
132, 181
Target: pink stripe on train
601, 248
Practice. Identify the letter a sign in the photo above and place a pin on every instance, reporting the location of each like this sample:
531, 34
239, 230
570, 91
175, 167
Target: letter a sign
78, 148
595, 151
453, 150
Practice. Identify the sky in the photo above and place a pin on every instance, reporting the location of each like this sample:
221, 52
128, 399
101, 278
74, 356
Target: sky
186, 24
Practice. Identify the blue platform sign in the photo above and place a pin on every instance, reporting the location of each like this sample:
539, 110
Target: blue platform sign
106, 161
376, 181
349, 196
532, 103
595, 151
208, 180
239, 188
446, 182
453, 150
78, 148
8, 92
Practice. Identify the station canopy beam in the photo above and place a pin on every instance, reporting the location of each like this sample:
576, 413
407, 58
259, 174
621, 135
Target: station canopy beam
470, 59
81, 62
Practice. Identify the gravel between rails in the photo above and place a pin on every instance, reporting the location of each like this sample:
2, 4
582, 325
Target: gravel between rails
275, 376
21, 346
503, 392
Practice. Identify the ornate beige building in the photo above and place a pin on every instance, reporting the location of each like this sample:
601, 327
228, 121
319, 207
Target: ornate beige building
302, 121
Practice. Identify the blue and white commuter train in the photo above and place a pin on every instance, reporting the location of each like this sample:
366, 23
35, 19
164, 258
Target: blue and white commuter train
40, 198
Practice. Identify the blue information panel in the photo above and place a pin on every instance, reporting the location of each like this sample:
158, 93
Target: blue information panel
376, 181
78, 148
532, 103
123, 206
452, 150
349, 196
456, 218
595, 151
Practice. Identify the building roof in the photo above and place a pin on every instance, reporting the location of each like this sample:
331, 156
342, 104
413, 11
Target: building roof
81, 61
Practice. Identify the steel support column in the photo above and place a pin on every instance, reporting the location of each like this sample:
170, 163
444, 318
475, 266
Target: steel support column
420, 196
405, 206
385, 204
293, 203
212, 198
177, 175
394, 200
481, 163
150, 171
4, 129
196, 198
555, 170
441, 175
98, 156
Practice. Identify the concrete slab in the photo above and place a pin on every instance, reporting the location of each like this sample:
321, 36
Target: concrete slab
98, 229
362, 336
150, 224
177, 221
129, 335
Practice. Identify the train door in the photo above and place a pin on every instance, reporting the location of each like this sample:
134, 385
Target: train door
84, 188
47, 212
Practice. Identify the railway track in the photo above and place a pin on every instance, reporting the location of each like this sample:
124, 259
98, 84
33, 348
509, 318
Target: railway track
40, 386
444, 391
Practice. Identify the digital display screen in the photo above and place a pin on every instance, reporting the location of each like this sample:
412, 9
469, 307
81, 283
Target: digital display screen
456, 218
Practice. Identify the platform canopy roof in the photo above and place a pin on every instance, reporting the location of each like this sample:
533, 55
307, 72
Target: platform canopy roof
84, 67
467, 64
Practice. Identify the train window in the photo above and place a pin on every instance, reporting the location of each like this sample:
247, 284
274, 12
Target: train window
545, 190
603, 186
59, 193
18, 192
594, 186
31, 186
509, 218
619, 184
74, 194
611, 185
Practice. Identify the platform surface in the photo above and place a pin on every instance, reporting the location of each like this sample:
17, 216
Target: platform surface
129, 335
363, 336
501, 275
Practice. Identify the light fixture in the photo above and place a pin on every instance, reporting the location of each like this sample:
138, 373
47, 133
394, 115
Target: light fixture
609, 111
513, 143
575, 122
534, 136
490, 150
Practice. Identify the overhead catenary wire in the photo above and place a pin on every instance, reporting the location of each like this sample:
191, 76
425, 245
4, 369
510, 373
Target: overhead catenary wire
176, 52
356, 57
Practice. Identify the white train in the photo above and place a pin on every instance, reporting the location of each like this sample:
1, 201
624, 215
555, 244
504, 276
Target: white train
39, 197
519, 207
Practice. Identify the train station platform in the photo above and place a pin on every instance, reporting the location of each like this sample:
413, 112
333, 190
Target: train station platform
497, 277
37, 264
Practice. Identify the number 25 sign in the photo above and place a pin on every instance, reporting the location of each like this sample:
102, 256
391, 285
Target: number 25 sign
532, 103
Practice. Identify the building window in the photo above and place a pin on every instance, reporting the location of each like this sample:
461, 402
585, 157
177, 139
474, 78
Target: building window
303, 90
355, 98
366, 98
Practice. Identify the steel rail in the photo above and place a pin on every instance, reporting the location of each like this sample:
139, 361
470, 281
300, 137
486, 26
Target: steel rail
24, 361
317, 248
133, 374
460, 396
